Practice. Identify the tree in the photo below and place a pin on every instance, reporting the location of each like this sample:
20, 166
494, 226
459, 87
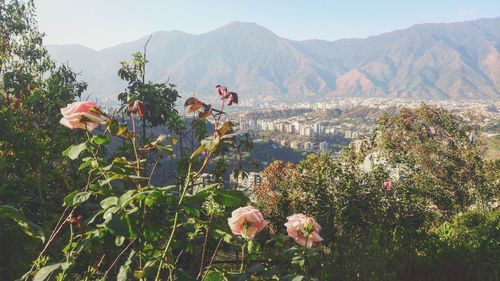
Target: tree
440, 153
155, 101
369, 231
32, 89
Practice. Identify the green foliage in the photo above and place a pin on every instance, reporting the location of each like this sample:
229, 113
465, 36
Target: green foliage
32, 91
373, 233
44, 272
159, 98
469, 244
439, 152
31, 229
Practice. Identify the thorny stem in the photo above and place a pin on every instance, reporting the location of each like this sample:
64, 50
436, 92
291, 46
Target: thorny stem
242, 257
202, 260
137, 159
176, 216
174, 226
213, 255
184, 191
119, 255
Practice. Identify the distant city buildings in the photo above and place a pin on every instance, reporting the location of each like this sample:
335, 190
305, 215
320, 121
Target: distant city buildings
323, 146
295, 145
351, 135
316, 126
308, 146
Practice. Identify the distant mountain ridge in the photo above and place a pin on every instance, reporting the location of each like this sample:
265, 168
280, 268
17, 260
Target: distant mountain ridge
426, 61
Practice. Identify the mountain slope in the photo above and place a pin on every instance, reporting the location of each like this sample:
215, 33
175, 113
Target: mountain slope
427, 61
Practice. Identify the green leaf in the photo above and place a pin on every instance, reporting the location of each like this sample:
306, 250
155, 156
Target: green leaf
152, 198
109, 202
109, 212
298, 260
148, 270
81, 197
214, 276
226, 128
168, 149
120, 225
101, 140
229, 198
114, 127
117, 129
199, 150
28, 227
119, 240
210, 144
110, 179
123, 274
68, 199
126, 198
85, 164
74, 151
44, 272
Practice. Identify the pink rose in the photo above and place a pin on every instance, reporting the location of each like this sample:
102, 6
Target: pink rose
388, 185
83, 115
303, 229
246, 221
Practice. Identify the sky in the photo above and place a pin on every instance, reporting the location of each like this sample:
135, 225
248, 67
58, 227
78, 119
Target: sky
104, 23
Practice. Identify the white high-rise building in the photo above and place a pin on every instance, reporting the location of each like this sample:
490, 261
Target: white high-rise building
270, 126
323, 146
318, 128
296, 126
308, 146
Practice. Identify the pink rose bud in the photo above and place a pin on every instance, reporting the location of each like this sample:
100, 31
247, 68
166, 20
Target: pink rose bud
225, 93
137, 107
388, 185
246, 222
303, 229
218, 90
82, 115
309, 224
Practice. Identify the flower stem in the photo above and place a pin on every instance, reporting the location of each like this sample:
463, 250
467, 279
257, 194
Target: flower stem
242, 257
174, 226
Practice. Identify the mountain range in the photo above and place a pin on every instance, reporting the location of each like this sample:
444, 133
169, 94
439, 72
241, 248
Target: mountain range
426, 61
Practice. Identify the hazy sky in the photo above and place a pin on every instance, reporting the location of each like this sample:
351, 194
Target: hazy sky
104, 23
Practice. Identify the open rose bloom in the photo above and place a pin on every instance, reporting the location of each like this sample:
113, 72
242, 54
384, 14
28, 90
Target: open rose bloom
303, 229
82, 115
246, 221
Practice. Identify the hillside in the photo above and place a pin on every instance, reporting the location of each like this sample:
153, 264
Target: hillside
426, 61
